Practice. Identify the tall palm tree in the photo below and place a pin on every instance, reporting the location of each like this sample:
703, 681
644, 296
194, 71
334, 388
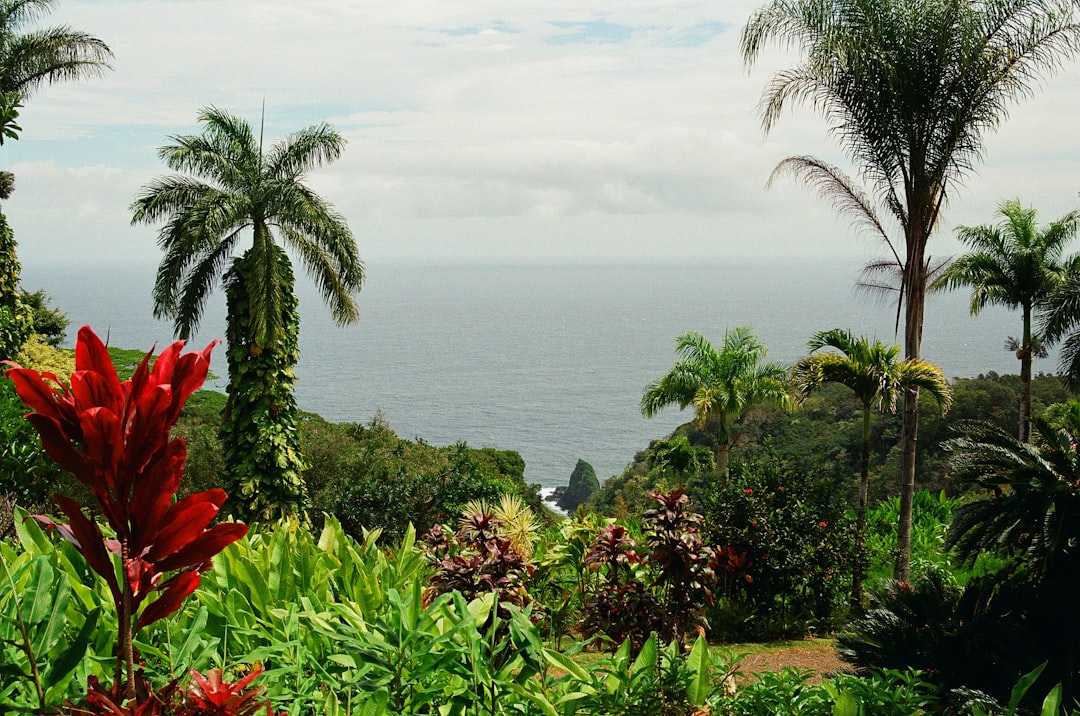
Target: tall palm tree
228, 190
30, 58
1014, 264
720, 385
910, 88
877, 377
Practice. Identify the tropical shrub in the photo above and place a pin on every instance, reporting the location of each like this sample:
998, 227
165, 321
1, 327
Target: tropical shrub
682, 563
16, 317
480, 557
962, 639
114, 438
788, 549
619, 606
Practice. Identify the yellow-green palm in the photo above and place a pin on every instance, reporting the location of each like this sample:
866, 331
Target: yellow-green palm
875, 374
719, 384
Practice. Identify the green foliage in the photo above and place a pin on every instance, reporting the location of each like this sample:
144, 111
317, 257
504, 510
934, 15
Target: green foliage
886, 693
49, 322
55, 627
650, 680
787, 547
368, 477
40, 355
260, 434
26, 472
10, 104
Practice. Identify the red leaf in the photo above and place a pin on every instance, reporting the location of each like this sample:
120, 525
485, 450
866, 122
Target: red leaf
182, 523
152, 494
91, 355
173, 593
188, 376
37, 394
205, 546
58, 446
88, 540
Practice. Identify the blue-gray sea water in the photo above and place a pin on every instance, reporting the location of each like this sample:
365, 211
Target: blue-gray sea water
548, 360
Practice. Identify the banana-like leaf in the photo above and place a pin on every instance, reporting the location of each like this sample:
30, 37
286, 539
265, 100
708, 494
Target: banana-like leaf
700, 665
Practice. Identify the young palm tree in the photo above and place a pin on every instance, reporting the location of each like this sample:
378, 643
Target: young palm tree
230, 191
910, 88
31, 58
877, 377
1014, 264
721, 384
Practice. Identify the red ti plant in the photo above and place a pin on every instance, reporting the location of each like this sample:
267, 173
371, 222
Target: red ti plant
114, 438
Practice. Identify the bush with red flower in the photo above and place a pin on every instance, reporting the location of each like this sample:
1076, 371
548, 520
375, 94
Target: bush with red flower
114, 437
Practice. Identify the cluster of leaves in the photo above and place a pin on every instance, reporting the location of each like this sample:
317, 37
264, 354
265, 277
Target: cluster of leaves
480, 558
16, 317
666, 589
1015, 611
788, 549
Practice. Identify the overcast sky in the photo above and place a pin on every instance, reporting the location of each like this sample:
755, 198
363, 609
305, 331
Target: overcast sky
481, 129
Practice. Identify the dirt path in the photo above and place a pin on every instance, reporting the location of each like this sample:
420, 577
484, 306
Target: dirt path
817, 655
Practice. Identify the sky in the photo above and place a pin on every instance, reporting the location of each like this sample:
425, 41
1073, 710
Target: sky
482, 130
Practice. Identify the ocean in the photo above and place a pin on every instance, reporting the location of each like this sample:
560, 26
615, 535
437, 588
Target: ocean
548, 360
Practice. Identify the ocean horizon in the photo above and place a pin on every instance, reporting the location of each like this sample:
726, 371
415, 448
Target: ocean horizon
546, 359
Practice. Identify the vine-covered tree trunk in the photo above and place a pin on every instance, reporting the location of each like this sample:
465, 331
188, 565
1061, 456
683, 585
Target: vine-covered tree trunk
16, 318
264, 466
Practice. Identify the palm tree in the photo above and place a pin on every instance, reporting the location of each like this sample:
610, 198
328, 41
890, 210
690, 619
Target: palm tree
721, 384
877, 377
910, 88
1014, 264
231, 191
31, 58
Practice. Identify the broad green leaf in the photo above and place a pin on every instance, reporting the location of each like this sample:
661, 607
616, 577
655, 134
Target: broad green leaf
537, 697
66, 662
193, 640
1052, 703
566, 664
37, 594
845, 704
1022, 686
700, 665
646, 658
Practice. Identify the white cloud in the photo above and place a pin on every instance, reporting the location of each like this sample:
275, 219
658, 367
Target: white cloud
474, 130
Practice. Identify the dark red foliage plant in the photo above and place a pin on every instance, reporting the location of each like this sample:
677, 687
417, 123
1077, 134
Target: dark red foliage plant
114, 438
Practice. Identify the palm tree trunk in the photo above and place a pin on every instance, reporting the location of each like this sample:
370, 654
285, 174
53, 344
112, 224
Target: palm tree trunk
1024, 354
722, 452
860, 514
914, 300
